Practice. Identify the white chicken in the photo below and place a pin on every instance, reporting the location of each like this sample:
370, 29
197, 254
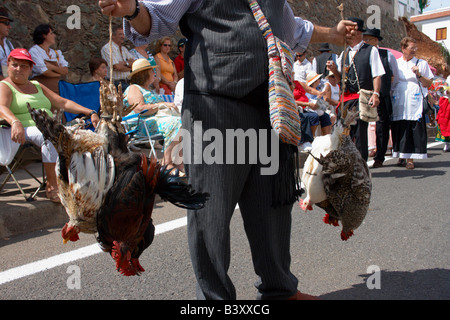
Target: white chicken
337, 179
312, 169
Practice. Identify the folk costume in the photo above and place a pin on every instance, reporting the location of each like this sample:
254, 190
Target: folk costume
226, 87
409, 131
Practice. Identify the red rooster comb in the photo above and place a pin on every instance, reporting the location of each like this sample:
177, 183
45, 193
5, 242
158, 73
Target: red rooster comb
122, 255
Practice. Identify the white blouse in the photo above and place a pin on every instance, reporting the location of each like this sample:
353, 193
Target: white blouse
39, 56
407, 95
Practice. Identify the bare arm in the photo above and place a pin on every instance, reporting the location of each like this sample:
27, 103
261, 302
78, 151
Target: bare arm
327, 96
68, 105
17, 129
54, 70
135, 97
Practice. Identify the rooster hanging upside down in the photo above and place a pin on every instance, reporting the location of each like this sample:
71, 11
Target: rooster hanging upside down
337, 179
107, 189
84, 171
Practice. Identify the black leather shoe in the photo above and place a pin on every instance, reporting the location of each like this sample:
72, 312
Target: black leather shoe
377, 164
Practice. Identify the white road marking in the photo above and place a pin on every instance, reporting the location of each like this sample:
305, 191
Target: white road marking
55, 261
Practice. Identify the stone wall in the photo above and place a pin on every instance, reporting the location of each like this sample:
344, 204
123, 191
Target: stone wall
325, 13
79, 45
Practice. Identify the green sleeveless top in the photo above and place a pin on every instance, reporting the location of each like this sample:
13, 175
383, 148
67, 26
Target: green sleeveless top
36, 100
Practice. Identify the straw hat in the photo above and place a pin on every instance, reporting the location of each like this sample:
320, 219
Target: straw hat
140, 65
312, 77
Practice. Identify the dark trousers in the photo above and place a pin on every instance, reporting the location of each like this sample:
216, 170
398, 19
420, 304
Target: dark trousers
383, 126
268, 228
358, 132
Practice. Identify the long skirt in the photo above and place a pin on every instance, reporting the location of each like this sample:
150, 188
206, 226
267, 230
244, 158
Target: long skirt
440, 136
409, 139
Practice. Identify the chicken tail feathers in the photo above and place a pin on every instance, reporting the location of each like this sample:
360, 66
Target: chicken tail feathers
50, 128
171, 187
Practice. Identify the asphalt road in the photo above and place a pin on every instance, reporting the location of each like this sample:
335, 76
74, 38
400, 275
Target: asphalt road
401, 251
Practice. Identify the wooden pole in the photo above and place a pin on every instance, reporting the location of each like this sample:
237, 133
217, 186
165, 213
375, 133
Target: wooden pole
343, 71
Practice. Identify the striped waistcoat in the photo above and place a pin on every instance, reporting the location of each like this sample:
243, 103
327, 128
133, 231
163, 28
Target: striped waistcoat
226, 53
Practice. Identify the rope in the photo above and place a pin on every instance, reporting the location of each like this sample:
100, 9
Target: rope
111, 80
343, 72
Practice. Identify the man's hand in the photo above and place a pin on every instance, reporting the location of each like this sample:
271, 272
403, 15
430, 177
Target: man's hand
343, 29
121, 8
117, 8
95, 120
374, 101
335, 35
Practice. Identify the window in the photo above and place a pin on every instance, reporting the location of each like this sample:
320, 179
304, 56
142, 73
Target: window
441, 34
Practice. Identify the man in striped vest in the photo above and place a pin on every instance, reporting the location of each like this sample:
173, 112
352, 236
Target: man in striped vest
226, 88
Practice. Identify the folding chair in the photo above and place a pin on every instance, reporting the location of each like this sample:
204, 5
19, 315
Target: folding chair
168, 97
86, 94
131, 124
23, 155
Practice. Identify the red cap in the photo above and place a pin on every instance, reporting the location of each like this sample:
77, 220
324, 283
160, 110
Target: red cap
21, 54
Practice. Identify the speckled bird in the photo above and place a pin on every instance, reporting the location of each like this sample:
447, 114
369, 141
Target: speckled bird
338, 180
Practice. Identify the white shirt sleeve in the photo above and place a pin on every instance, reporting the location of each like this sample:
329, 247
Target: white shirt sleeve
376, 64
37, 54
393, 64
179, 93
425, 70
166, 15
297, 32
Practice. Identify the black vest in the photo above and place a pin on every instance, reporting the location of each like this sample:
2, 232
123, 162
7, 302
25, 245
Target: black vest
386, 79
321, 63
226, 53
362, 64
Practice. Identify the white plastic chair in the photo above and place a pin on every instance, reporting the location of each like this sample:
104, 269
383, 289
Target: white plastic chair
18, 155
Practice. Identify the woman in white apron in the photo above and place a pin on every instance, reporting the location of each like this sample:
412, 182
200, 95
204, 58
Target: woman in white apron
409, 132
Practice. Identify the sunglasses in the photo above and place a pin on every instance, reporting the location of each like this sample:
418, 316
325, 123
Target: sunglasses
300, 55
6, 23
167, 45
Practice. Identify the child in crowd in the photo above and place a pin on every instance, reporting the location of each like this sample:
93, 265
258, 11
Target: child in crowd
317, 104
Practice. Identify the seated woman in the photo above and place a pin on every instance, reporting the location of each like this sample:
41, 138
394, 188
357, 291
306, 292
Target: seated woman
50, 65
313, 81
169, 75
310, 120
15, 92
98, 68
141, 77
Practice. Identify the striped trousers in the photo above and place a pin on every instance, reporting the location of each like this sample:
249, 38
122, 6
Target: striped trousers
268, 229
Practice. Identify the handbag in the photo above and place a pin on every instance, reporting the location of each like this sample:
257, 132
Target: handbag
426, 105
366, 112
284, 114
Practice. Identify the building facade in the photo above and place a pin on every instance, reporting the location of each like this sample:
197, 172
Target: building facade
406, 8
435, 24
